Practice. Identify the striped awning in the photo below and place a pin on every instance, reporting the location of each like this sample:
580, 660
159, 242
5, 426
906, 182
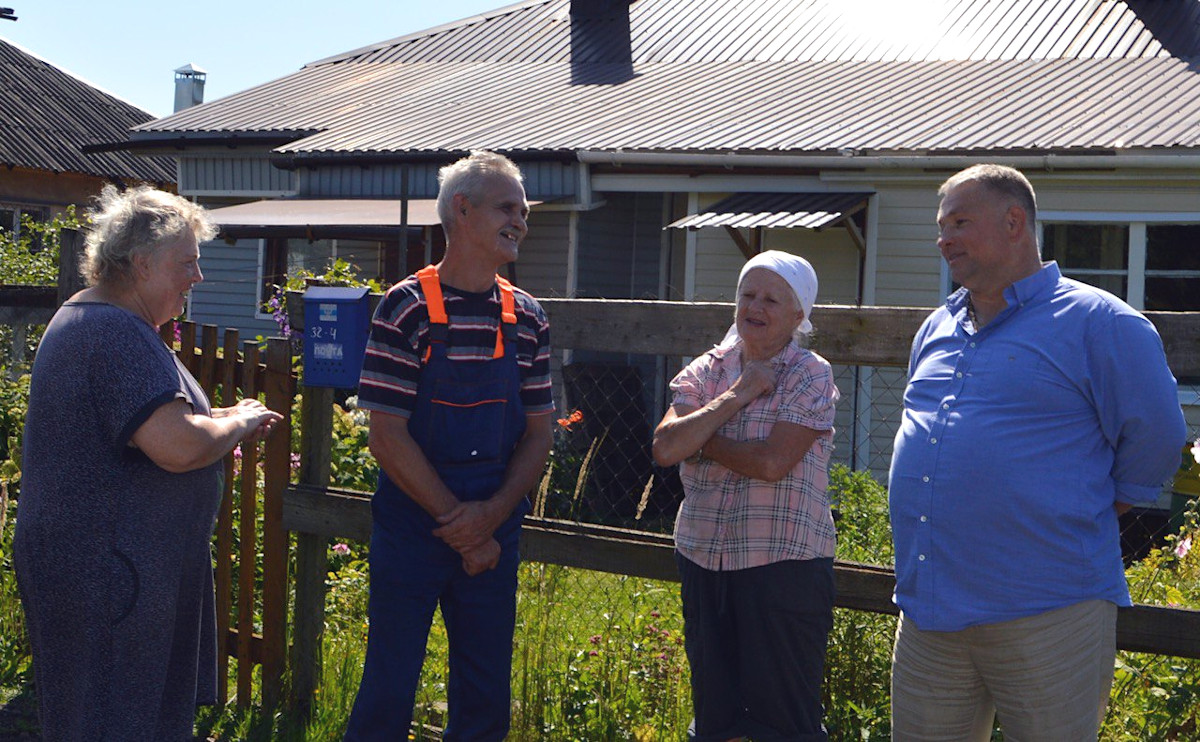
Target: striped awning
778, 210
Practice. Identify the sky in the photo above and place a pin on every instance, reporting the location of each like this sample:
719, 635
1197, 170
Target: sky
131, 48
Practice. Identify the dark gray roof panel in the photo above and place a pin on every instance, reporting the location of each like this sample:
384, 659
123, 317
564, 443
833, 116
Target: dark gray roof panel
47, 116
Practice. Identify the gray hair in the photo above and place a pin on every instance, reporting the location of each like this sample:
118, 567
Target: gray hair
467, 177
136, 222
1003, 181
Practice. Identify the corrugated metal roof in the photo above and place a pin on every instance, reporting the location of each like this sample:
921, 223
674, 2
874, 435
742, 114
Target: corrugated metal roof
47, 115
769, 76
778, 210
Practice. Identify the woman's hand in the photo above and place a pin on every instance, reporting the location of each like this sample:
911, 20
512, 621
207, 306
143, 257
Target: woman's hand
260, 420
758, 378
178, 440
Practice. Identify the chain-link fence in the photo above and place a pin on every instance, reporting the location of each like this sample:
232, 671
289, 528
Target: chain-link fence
602, 472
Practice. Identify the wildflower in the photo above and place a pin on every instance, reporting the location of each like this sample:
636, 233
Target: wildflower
566, 422
1184, 546
655, 614
342, 549
593, 653
1196, 450
594, 638
237, 452
295, 461
179, 337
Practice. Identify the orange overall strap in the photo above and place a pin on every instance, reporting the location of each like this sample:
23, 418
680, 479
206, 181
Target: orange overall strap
508, 313
431, 286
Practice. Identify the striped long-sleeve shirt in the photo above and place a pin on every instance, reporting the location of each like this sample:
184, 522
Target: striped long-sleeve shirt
400, 334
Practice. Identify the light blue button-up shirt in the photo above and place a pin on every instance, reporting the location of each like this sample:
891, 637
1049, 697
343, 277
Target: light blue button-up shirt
1015, 443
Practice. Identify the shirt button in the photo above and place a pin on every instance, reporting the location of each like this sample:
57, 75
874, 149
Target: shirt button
923, 519
945, 406
972, 344
933, 440
925, 478
959, 374
474, 453
921, 557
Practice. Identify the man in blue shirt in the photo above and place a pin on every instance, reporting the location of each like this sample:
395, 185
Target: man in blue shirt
1037, 410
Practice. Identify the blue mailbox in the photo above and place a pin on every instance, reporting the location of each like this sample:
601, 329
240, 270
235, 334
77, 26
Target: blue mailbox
336, 320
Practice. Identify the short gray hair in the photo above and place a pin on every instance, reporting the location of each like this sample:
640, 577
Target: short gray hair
138, 221
1003, 181
467, 177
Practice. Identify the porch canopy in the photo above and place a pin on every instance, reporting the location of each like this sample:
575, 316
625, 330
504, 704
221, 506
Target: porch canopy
324, 218
757, 211
776, 210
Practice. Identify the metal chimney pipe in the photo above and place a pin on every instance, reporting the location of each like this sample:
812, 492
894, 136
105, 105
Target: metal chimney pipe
189, 86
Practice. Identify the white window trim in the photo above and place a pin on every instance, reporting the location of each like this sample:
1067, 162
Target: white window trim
1135, 275
258, 313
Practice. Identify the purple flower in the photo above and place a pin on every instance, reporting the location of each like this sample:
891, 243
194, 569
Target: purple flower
595, 638
1184, 546
342, 549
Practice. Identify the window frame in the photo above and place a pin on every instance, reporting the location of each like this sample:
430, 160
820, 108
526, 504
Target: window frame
1137, 221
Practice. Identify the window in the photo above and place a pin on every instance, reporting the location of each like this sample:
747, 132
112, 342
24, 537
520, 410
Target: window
1173, 267
283, 257
10, 217
1093, 253
1153, 266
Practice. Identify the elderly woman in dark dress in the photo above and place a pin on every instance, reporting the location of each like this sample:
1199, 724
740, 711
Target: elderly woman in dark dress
751, 424
121, 486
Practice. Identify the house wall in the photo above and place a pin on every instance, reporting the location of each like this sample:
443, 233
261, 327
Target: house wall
244, 174
228, 295
543, 181
619, 247
541, 267
23, 186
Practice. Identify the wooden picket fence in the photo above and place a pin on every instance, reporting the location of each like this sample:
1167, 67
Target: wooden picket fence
232, 371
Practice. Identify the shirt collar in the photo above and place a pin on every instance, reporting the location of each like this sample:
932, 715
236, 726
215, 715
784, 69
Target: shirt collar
734, 350
1018, 293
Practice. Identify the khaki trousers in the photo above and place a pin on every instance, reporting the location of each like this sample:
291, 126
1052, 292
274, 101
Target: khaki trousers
1047, 677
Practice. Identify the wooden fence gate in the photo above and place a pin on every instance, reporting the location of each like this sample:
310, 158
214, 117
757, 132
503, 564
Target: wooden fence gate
251, 604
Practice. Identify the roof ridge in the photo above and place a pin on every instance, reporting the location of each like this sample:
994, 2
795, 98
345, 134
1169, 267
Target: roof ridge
433, 31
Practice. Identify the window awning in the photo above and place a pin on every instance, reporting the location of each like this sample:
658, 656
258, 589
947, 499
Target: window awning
323, 218
777, 210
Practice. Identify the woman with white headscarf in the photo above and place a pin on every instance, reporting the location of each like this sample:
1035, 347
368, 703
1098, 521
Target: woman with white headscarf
751, 425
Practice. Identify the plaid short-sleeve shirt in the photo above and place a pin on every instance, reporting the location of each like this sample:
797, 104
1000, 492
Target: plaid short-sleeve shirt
729, 521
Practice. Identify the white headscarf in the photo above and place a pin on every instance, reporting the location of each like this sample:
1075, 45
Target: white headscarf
794, 269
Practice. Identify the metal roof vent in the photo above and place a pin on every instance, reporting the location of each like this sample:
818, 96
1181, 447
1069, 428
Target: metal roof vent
189, 86
600, 8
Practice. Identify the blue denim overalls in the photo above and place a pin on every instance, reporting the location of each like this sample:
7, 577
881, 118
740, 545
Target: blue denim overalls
468, 418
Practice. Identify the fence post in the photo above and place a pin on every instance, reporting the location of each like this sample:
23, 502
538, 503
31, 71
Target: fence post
316, 437
247, 557
70, 248
224, 570
276, 475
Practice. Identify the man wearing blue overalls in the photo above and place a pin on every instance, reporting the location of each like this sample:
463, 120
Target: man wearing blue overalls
457, 379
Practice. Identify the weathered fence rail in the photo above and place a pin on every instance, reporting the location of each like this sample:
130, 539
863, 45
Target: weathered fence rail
867, 336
